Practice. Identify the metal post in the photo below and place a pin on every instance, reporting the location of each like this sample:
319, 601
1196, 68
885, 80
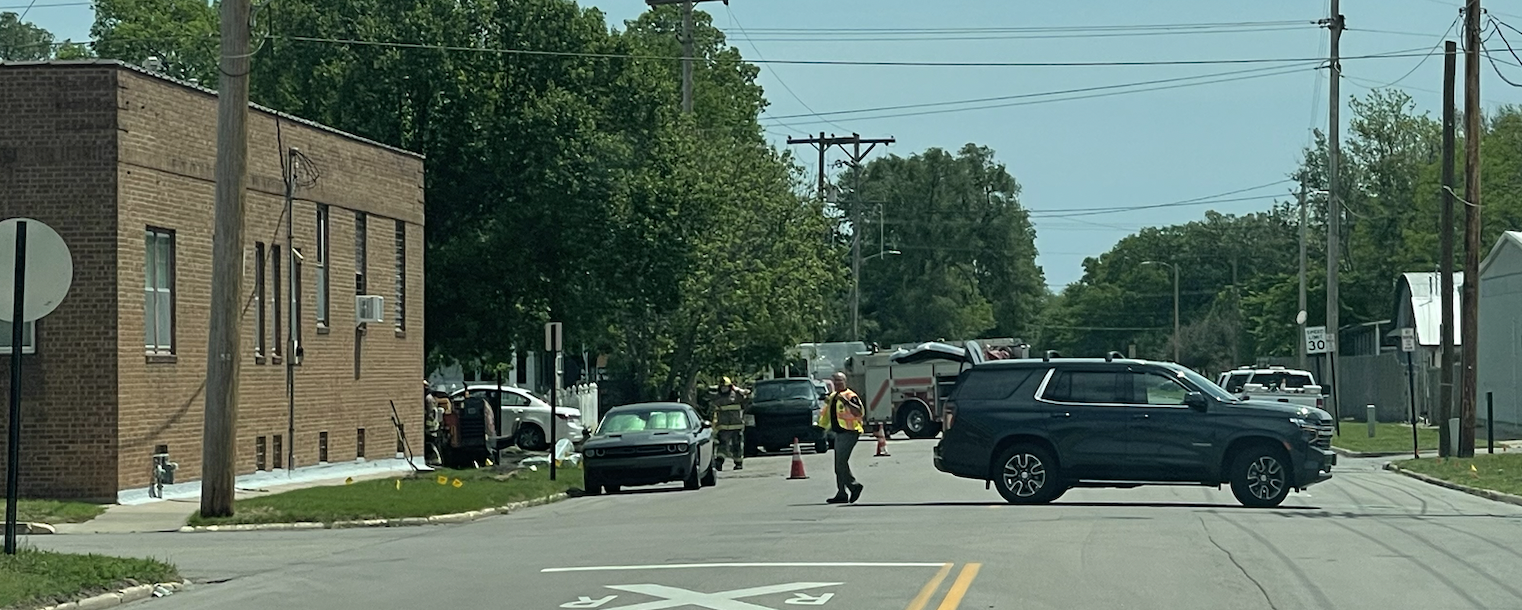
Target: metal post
290, 334
13, 432
1371, 417
1453, 437
1411, 385
1300, 352
1490, 421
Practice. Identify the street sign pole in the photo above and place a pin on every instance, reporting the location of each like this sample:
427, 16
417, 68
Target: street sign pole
1408, 345
13, 436
552, 343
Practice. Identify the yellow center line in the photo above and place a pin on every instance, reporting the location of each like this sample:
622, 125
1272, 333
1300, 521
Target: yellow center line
959, 587
930, 588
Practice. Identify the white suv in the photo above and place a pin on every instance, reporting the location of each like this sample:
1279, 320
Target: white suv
531, 414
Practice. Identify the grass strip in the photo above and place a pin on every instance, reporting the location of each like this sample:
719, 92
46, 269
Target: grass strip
38, 578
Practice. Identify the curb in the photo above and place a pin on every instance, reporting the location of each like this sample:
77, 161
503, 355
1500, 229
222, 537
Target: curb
1475, 491
35, 529
1367, 454
464, 517
117, 598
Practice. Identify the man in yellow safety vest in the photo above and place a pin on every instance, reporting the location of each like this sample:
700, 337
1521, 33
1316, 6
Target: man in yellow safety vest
842, 414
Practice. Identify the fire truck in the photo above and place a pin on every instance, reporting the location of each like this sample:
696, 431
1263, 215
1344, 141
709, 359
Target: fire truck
905, 388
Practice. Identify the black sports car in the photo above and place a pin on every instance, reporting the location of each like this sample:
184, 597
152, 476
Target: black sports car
648, 444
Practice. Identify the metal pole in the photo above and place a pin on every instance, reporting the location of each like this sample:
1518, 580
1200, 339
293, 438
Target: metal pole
290, 352
224, 352
1176, 337
1411, 385
1334, 208
856, 246
13, 432
554, 403
1490, 421
1300, 352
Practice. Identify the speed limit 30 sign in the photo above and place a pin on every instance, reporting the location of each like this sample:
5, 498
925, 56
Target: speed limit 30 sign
1316, 340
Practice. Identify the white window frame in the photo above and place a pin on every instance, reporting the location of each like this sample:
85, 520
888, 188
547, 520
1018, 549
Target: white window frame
28, 338
324, 236
159, 291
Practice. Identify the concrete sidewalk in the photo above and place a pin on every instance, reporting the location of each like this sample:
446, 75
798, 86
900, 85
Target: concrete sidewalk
143, 514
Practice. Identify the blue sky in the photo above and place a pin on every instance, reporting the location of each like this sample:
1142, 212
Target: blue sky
1134, 149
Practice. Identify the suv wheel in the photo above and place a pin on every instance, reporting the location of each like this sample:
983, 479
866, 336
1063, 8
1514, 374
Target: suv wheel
1260, 477
1027, 474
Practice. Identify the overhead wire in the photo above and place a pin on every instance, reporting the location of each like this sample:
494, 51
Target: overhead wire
1498, 24
1423, 61
772, 71
977, 36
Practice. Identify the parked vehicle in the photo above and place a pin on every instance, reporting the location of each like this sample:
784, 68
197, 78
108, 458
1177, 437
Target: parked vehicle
1274, 383
785, 409
531, 414
649, 444
1036, 428
905, 389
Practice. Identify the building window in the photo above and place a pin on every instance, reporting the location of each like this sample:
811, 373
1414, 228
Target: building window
259, 454
401, 275
28, 338
360, 262
158, 291
359, 444
279, 452
259, 346
322, 447
275, 266
322, 265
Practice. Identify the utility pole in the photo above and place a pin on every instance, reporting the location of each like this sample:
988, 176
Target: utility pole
1300, 338
1445, 257
224, 352
1469, 318
1335, 23
686, 46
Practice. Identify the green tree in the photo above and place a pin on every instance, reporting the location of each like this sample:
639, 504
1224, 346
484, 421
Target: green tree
23, 40
183, 34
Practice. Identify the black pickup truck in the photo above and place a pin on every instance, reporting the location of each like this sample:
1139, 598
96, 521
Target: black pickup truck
782, 410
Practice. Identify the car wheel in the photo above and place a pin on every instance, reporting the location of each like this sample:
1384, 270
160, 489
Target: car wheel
531, 438
1028, 474
612, 489
1260, 477
821, 446
917, 422
709, 480
591, 486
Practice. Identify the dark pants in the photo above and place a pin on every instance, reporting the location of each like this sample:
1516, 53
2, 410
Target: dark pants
731, 444
845, 442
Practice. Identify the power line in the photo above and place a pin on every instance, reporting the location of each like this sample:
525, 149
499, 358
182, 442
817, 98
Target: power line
1054, 28
1423, 61
839, 62
34, 4
1030, 95
773, 72
942, 37
1280, 72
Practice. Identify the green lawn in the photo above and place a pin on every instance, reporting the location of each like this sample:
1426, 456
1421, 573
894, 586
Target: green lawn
34, 577
1387, 437
393, 498
57, 511
1500, 472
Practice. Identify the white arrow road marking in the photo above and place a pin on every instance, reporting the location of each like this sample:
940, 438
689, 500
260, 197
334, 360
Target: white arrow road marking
804, 599
587, 602
722, 600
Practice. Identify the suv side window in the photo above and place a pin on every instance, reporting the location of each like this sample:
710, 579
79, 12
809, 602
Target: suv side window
1089, 387
991, 384
1148, 388
1235, 381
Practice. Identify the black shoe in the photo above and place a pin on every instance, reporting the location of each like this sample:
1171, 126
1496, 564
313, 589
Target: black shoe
718, 466
837, 500
856, 492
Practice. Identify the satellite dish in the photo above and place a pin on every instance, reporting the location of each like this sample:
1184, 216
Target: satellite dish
1300, 317
49, 270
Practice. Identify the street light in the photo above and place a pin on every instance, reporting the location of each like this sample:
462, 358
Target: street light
1175, 304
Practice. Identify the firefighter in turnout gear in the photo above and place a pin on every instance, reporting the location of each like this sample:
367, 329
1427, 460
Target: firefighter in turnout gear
729, 423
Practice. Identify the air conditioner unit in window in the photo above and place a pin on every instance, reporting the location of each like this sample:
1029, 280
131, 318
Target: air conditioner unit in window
369, 308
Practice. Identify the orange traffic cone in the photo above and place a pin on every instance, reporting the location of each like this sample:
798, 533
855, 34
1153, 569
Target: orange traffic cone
882, 442
797, 463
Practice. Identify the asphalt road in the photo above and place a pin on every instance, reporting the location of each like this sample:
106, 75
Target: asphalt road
917, 540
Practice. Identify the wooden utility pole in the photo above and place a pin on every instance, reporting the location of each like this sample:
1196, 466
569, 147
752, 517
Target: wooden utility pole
1300, 338
687, 47
224, 350
1335, 23
857, 156
1445, 256
1470, 317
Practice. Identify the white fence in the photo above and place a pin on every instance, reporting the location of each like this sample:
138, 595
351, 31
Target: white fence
582, 397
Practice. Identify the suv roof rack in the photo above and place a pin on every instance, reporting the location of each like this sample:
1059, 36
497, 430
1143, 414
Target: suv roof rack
1112, 355
1050, 354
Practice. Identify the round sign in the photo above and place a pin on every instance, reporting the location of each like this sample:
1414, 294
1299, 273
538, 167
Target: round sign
49, 270
1300, 317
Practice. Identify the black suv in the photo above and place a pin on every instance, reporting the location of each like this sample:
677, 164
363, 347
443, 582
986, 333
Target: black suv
1037, 428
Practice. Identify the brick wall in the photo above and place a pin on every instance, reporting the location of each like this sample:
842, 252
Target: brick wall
167, 157
57, 145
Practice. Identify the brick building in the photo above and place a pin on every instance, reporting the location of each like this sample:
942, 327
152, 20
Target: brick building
120, 162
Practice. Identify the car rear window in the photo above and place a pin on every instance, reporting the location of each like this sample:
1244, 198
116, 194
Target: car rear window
995, 384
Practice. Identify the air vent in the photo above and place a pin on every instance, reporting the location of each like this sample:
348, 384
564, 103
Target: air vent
369, 308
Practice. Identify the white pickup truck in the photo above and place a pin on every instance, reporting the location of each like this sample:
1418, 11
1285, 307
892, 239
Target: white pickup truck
1274, 383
